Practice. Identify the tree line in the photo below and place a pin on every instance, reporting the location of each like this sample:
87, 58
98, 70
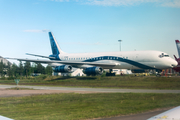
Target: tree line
23, 69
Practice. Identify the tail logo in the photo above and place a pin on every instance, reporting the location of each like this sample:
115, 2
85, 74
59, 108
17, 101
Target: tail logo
54, 48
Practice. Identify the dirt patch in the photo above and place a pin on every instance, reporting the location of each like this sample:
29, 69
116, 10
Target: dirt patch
17, 93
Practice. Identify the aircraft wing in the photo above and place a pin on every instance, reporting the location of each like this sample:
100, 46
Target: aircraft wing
72, 63
5, 118
172, 114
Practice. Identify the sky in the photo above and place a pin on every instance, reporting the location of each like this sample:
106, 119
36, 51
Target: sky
82, 26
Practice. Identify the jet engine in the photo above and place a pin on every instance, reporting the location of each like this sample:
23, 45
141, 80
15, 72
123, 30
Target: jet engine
93, 71
63, 68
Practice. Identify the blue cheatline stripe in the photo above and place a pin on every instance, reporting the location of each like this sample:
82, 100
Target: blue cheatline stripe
142, 66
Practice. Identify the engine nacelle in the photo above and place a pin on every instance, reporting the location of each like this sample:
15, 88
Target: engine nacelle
63, 68
93, 71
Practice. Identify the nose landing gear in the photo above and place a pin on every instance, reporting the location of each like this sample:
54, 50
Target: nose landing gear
158, 73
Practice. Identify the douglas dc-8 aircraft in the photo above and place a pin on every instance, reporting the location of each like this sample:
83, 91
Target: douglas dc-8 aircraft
94, 63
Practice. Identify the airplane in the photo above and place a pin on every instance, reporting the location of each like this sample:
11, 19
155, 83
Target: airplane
172, 114
94, 63
5, 118
177, 68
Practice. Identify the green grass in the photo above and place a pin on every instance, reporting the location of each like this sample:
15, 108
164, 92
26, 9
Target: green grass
130, 82
73, 106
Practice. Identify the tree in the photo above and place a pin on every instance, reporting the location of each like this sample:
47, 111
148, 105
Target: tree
15, 70
27, 67
49, 70
40, 68
9, 70
1, 69
21, 68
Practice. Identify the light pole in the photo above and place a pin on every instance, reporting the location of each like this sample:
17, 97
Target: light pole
120, 44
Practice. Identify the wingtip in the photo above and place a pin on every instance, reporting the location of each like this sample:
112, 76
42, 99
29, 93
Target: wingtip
11, 58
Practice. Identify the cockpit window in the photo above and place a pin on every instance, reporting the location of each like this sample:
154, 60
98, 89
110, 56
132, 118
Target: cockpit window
163, 55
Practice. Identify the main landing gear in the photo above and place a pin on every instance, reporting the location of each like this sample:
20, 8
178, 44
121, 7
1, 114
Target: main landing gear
110, 73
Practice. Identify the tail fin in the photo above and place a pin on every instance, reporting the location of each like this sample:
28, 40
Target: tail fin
54, 45
178, 47
175, 58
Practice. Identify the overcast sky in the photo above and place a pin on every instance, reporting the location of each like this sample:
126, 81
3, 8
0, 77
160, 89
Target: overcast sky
82, 26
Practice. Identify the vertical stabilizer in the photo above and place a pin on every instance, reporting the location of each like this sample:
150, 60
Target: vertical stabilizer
178, 47
54, 45
175, 58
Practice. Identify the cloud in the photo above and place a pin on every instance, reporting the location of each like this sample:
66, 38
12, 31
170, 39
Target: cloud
164, 3
114, 2
82, 43
61, 0
171, 3
36, 31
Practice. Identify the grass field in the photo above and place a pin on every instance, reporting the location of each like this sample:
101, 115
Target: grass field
130, 82
73, 106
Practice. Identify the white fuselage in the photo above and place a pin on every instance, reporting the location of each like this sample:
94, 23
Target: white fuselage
123, 60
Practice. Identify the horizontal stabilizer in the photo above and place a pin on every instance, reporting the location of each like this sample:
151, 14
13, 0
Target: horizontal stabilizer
41, 56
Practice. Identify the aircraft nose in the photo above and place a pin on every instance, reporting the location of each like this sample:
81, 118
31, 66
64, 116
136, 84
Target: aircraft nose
174, 63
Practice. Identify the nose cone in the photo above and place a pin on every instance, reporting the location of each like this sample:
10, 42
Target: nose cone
174, 63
